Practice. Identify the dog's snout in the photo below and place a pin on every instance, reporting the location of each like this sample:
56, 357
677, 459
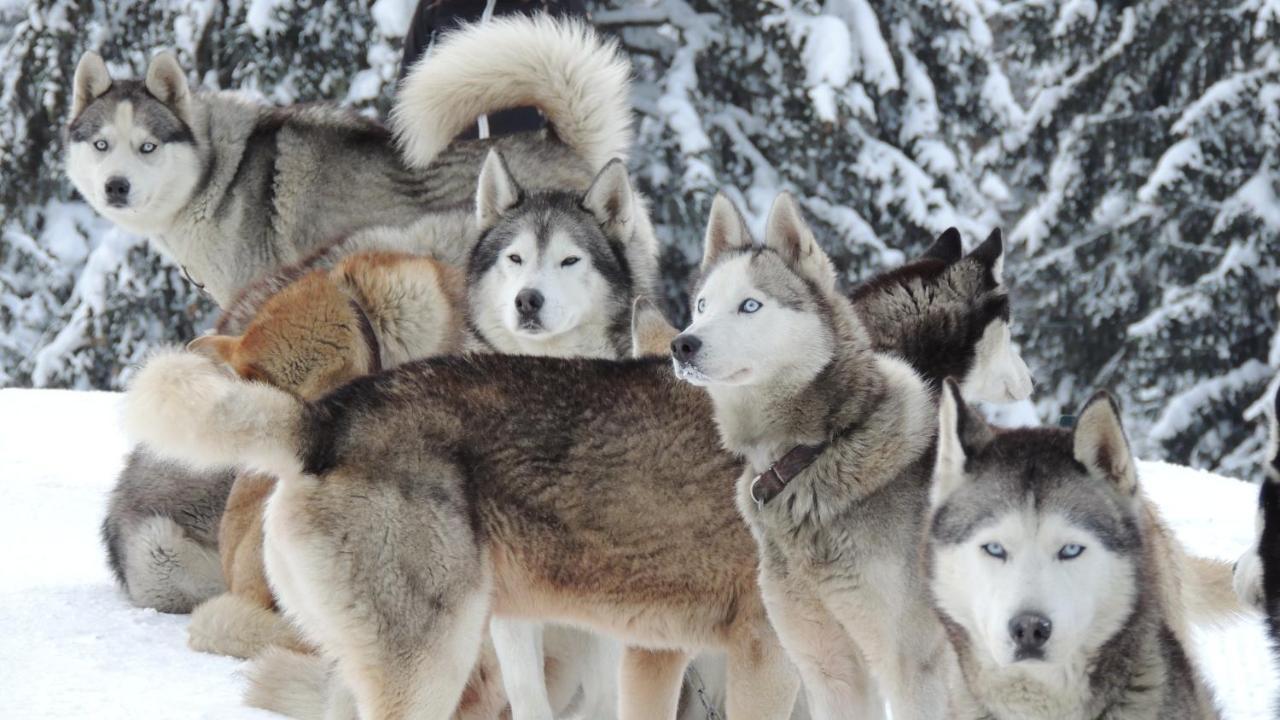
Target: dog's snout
117, 191
684, 347
1030, 631
529, 302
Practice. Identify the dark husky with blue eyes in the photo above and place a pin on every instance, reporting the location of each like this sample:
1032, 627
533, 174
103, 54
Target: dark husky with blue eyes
1057, 582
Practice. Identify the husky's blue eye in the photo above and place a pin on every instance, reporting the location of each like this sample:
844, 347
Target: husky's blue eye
995, 550
1070, 551
147, 148
100, 145
571, 260
749, 306
513, 257
702, 304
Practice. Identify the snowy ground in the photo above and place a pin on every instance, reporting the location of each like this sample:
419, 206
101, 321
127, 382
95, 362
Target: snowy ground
71, 646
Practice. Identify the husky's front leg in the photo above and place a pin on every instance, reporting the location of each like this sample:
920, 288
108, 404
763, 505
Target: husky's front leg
520, 654
837, 683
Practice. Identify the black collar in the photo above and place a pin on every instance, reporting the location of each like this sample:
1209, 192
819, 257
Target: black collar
768, 484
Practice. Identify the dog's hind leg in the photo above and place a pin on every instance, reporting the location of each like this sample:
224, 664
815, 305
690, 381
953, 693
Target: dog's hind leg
650, 683
762, 682
389, 577
518, 644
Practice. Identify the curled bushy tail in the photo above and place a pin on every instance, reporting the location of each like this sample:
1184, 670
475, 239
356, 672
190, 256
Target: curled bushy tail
578, 79
187, 407
298, 685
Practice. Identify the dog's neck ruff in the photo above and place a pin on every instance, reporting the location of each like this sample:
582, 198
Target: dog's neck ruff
770, 483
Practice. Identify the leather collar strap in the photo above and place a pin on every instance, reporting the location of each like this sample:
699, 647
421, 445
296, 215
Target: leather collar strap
768, 484
370, 337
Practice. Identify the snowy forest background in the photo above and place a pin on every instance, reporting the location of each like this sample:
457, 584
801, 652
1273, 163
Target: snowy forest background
1130, 151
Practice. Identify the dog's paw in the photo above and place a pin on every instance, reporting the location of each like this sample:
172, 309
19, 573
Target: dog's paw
1247, 579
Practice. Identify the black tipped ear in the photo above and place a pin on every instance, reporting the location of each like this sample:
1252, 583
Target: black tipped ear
991, 254
610, 200
91, 81
496, 191
726, 230
1099, 443
168, 83
962, 433
946, 248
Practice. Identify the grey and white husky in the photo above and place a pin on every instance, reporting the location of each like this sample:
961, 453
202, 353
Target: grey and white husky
232, 189
836, 439
1053, 575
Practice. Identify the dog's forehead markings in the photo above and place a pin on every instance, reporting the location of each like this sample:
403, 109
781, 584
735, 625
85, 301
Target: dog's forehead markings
771, 275
728, 279
558, 245
123, 119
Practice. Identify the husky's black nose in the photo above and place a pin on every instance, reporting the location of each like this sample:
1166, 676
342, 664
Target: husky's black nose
117, 191
528, 302
684, 347
1030, 631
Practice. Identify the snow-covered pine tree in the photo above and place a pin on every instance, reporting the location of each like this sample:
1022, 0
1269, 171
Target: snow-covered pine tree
873, 117
1132, 148
1145, 177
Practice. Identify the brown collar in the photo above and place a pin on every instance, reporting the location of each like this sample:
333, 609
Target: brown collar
768, 484
370, 337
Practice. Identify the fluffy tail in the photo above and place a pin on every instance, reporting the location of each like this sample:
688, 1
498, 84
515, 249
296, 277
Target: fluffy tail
185, 406
1208, 593
230, 624
578, 79
161, 566
297, 685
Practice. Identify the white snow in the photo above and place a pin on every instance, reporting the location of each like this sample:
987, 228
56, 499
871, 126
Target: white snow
1072, 12
827, 53
1181, 156
72, 647
262, 17
70, 644
393, 16
876, 62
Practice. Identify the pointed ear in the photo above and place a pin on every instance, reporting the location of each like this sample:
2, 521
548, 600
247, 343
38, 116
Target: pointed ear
610, 200
962, 432
991, 254
726, 230
496, 192
219, 348
651, 334
787, 233
1100, 445
946, 248
91, 81
167, 82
